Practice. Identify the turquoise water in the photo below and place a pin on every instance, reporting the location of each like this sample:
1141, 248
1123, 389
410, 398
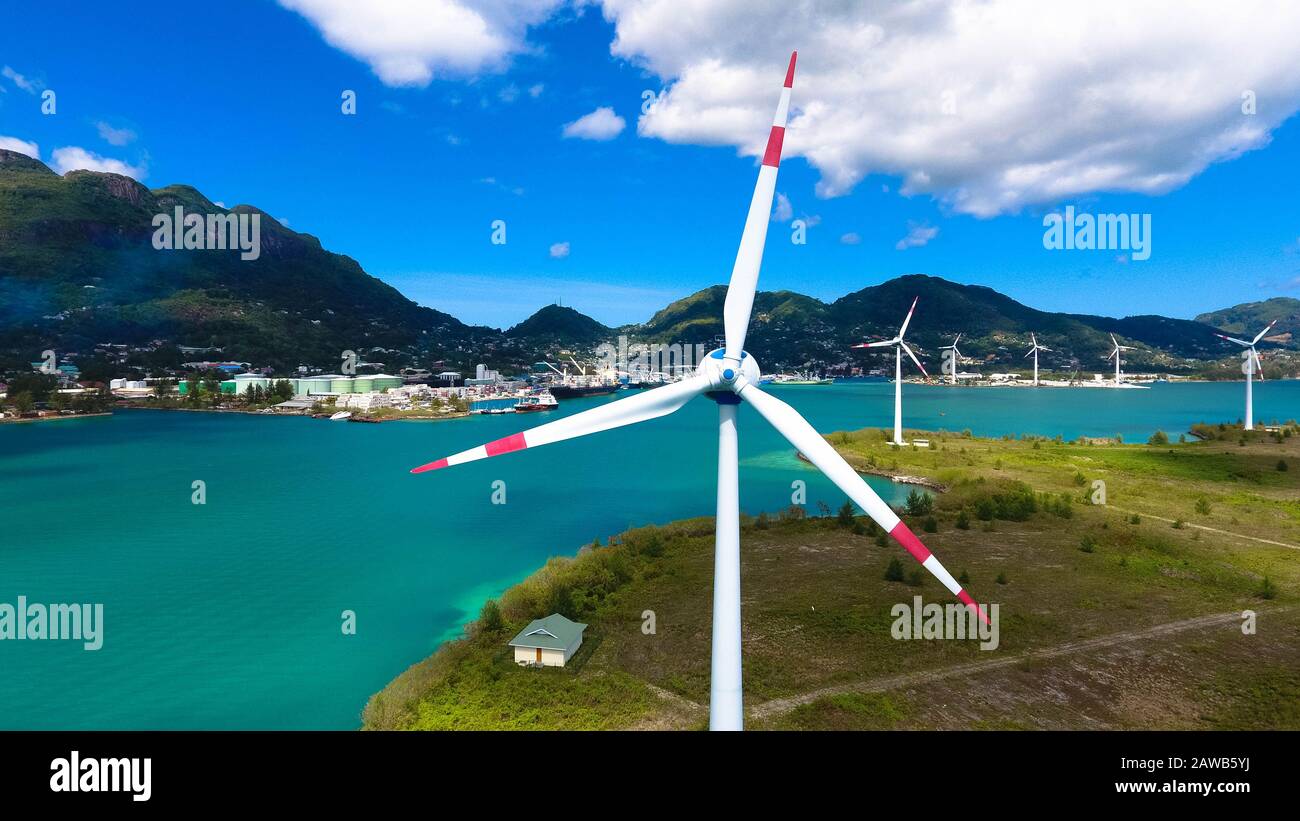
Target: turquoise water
228, 614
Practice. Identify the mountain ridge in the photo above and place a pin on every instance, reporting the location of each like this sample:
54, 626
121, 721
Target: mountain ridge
77, 268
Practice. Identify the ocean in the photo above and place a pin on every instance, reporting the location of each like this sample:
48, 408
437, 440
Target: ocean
230, 614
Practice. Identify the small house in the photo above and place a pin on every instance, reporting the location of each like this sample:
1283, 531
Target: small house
548, 642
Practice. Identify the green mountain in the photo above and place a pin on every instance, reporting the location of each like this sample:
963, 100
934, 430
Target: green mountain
557, 325
1250, 318
78, 267
792, 330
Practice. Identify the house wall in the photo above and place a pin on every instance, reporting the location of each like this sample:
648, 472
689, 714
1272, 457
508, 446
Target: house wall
550, 658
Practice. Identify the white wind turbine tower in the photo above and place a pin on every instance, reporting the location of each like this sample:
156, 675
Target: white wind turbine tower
1252, 363
730, 376
1118, 356
1034, 350
956, 358
899, 346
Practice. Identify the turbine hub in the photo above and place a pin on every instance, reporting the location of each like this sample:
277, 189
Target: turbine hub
724, 373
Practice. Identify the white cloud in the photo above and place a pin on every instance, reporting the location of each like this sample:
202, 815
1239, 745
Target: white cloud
21, 146
851, 238
535, 91
601, 124
559, 250
72, 158
408, 42
18, 80
783, 212
917, 237
115, 136
988, 105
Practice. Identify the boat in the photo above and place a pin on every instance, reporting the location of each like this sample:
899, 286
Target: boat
541, 402
799, 379
578, 390
340, 416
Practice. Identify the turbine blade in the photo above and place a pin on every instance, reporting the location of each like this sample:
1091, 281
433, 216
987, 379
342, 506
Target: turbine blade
648, 405
810, 443
884, 343
914, 359
744, 274
1260, 335
1241, 342
908, 318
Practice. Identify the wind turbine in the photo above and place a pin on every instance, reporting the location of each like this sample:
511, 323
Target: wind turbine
956, 358
1252, 362
1034, 350
899, 346
730, 376
1118, 356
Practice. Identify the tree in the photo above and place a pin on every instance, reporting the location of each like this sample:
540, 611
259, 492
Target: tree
1158, 438
23, 402
489, 618
919, 503
894, 572
846, 514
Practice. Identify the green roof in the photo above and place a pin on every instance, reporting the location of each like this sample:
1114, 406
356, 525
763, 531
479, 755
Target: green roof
554, 632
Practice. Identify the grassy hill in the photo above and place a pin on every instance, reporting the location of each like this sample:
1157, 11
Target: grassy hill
1122, 616
1250, 318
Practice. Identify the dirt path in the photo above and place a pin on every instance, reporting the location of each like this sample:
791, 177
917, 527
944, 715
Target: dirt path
1207, 529
784, 705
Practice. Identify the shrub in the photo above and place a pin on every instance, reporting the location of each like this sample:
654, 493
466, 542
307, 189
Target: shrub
1088, 544
1002, 578
930, 525
1203, 506
846, 514
1135, 519
1281, 465
894, 572
1177, 525
915, 578
963, 521
1158, 438
964, 578
489, 618
1080, 479
881, 539
1266, 589
919, 503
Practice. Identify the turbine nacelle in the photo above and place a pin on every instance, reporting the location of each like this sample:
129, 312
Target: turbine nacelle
727, 374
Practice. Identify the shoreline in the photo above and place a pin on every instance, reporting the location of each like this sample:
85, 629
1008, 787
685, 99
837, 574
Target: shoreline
8, 421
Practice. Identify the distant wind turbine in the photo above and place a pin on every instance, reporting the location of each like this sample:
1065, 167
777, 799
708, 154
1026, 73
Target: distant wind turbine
956, 358
1034, 351
1252, 363
899, 346
1118, 356
730, 376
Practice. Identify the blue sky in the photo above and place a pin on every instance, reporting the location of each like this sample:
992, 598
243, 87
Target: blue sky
244, 104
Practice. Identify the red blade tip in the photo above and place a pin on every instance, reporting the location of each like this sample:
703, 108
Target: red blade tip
789, 73
441, 463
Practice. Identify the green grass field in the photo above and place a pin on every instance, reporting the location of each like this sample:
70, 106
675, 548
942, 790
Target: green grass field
1101, 606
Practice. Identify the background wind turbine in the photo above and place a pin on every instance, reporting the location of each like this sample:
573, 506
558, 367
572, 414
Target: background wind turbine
1252, 363
1118, 356
730, 376
899, 346
956, 358
1034, 350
